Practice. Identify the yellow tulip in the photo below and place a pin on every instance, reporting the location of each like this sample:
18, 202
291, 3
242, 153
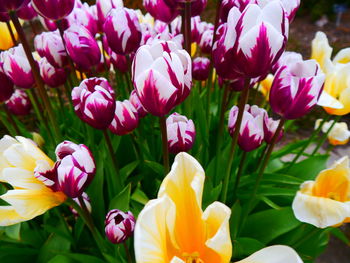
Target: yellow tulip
265, 86
173, 228
29, 197
338, 135
6, 40
326, 201
321, 51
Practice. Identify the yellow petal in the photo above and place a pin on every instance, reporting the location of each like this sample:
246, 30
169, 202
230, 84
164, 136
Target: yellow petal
9, 216
321, 49
329, 102
6, 40
20, 178
342, 57
274, 254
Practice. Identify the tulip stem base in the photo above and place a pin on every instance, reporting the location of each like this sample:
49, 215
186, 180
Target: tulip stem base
127, 252
163, 129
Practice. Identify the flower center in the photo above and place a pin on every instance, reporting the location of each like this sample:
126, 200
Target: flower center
192, 258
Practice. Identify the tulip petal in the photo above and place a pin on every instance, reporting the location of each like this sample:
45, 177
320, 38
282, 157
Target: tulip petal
20, 178
9, 216
342, 57
329, 101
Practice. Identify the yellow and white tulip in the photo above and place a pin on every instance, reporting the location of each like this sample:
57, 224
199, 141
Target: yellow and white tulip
338, 135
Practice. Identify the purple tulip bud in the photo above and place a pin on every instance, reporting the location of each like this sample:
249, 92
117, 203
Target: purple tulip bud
167, 14
53, 9
19, 103
258, 32
286, 59
162, 76
53, 77
50, 46
227, 5
200, 68
104, 7
84, 17
123, 30
119, 226
82, 47
135, 101
76, 168
16, 66
206, 41
251, 134
181, 133
11, 5
6, 87
27, 12
125, 118
94, 102
296, 89
87, 202
270, 127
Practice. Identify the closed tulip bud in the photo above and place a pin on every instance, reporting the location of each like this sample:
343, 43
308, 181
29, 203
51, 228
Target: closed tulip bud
251, 134
167, 14
50, 46
260, 31
27, 12
6, 87
16, 66
119, 226
125, 118
135, 101
286, 59
270, 127
94, 102
162, 76
181, 133
296, 89
84, 17
19, 103
104, 7
123, 31
82, 47
206, 41
53, 9
75, 168
87, 202
200, 68
52, 76
11, 5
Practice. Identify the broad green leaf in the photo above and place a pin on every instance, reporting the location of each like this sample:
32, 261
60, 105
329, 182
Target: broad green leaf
156, 167
244, 246
84, 258
128, 169
61, 259
235, 221
121, 201
13, 231
54, 245
340, 235
139, 196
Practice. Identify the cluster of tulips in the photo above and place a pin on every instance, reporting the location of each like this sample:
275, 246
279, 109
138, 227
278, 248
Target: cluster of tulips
137, 89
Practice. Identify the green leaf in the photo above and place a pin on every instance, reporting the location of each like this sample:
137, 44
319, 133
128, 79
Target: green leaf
156, 167
61, 259
244, 246
340, 235
84, 258
13, 231
139, 196
288, 149
235, 221
54, 245
121, 201
128, 169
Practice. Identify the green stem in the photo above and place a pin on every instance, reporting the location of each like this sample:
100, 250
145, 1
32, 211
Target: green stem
11, 120
242, 102
127, 252
239, 173
163, 129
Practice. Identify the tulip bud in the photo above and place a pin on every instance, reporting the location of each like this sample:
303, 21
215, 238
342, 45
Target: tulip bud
251, 134
119, 226
76, 168
27, 12
167, 13
84, 17
135, 101
87, 202
6, 87
162, 76
123, 31
53, 9
82, 47
11, 5
125, 118
181, 133
296, 89
94, 102
17, 68
206, 41
19, 103
270, 127
104, 7
52, 76
200, 68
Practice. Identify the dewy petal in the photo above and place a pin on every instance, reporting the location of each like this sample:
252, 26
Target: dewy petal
273, 254
9, 216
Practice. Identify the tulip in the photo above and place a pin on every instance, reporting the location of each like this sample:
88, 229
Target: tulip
19, 103
6, 39
84, 17
75, 169
173, 227
87, 202
290, 7
258, 32
104, 7
200, 68
29, 197
265, 86
4, 17
11, 5
82, 47
162, 76
296, 89
326, 201
52, 76
119, 226
135, 101
53, 9
251, 133
167, 14
125, 118
94, 102
27, 12
123, 31
17, 68
198, 6
119, 61
48, 24
227, 5
50, 46
286, 59
6, 87
181, 133
321, 51
338, 135
270, 127
160, 27
206, 41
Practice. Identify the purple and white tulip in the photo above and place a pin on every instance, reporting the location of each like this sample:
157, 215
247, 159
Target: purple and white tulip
82, 47
206, 41
6, 87
200, 68
227, 5
290, 6
135, 101
197, 7
84, 17
119, 226
4, 17
11, 5
123, 31
104, 7
87, 202
286, 59
181, 133
167, 14
125, 119
27, 12
76, 168
53, 77
19, 103
94, 102
251, 134
296, 89
53, 9
162, 76
270, 127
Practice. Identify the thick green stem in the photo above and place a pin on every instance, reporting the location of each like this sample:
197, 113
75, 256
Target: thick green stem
127, 252
163, 129
239, 173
